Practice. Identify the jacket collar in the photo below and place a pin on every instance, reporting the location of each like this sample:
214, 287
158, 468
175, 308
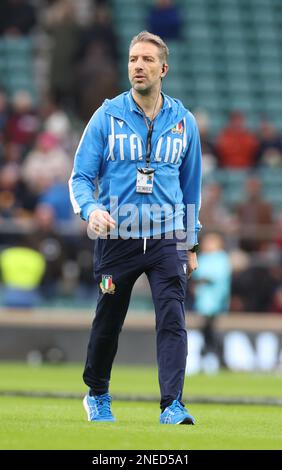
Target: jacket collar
133, 106
122, 107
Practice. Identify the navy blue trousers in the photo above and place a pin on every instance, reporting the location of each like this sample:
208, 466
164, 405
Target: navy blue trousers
125, 261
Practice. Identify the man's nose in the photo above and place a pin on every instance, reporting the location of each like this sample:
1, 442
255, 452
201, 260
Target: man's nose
139, 64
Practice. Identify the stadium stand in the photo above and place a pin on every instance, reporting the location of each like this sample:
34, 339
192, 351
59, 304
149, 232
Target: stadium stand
16, 65
228, 58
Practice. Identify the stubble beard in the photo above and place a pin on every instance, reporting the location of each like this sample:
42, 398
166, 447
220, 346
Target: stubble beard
141, 89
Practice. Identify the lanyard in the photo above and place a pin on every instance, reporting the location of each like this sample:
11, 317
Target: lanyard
150, 128
149, 141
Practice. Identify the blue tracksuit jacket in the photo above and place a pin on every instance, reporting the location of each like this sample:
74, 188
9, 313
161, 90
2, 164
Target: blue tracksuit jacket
111, 149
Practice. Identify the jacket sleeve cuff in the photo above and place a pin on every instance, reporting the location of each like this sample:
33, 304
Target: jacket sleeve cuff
189, 240
86, 211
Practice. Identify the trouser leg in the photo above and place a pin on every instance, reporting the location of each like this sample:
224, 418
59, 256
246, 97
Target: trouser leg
168, 283
107, 324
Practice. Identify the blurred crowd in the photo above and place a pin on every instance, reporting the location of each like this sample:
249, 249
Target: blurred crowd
39, 133
248, 163
38, 138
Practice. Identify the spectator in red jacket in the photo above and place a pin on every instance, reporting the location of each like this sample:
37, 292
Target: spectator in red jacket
236, 145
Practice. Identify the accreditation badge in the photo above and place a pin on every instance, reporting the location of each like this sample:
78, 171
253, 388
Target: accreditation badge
145, 180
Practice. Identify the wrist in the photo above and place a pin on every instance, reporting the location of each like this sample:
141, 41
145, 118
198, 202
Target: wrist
194, 249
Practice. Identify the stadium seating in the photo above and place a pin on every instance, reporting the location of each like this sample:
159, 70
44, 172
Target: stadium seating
233, 185
16, 65
230, 56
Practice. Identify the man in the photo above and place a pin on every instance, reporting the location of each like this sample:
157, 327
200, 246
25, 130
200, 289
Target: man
144, 149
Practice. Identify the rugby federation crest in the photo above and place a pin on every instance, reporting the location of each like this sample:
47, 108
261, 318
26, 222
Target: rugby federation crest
107, 286
178, 129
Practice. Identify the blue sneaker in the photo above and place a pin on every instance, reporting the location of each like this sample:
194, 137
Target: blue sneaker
176, 413
98, 408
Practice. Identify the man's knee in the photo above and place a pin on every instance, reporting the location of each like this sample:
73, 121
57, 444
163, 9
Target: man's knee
170, 315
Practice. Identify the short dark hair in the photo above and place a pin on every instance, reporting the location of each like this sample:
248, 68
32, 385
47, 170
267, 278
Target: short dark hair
145, 36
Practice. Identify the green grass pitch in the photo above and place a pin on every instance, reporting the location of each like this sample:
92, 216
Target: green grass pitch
59, 423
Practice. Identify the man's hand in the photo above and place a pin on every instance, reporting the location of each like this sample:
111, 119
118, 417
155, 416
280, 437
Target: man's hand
192, 263
101, 222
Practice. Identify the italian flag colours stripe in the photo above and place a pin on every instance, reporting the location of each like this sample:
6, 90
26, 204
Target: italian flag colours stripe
107, 281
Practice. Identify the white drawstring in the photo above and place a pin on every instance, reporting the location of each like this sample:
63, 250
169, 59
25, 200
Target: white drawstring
145, 244
111, 140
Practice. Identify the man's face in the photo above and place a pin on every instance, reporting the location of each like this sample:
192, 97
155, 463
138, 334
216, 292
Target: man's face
144, 67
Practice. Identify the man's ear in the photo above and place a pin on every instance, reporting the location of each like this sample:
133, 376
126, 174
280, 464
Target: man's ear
164, 70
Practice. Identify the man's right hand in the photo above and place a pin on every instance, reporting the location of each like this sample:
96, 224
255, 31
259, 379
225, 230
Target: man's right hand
100, 222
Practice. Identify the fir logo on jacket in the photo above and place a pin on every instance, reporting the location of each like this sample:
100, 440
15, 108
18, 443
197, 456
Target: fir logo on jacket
178, 129
107, 286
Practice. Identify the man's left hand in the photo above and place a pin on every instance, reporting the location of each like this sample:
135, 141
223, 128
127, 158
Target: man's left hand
192, 263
